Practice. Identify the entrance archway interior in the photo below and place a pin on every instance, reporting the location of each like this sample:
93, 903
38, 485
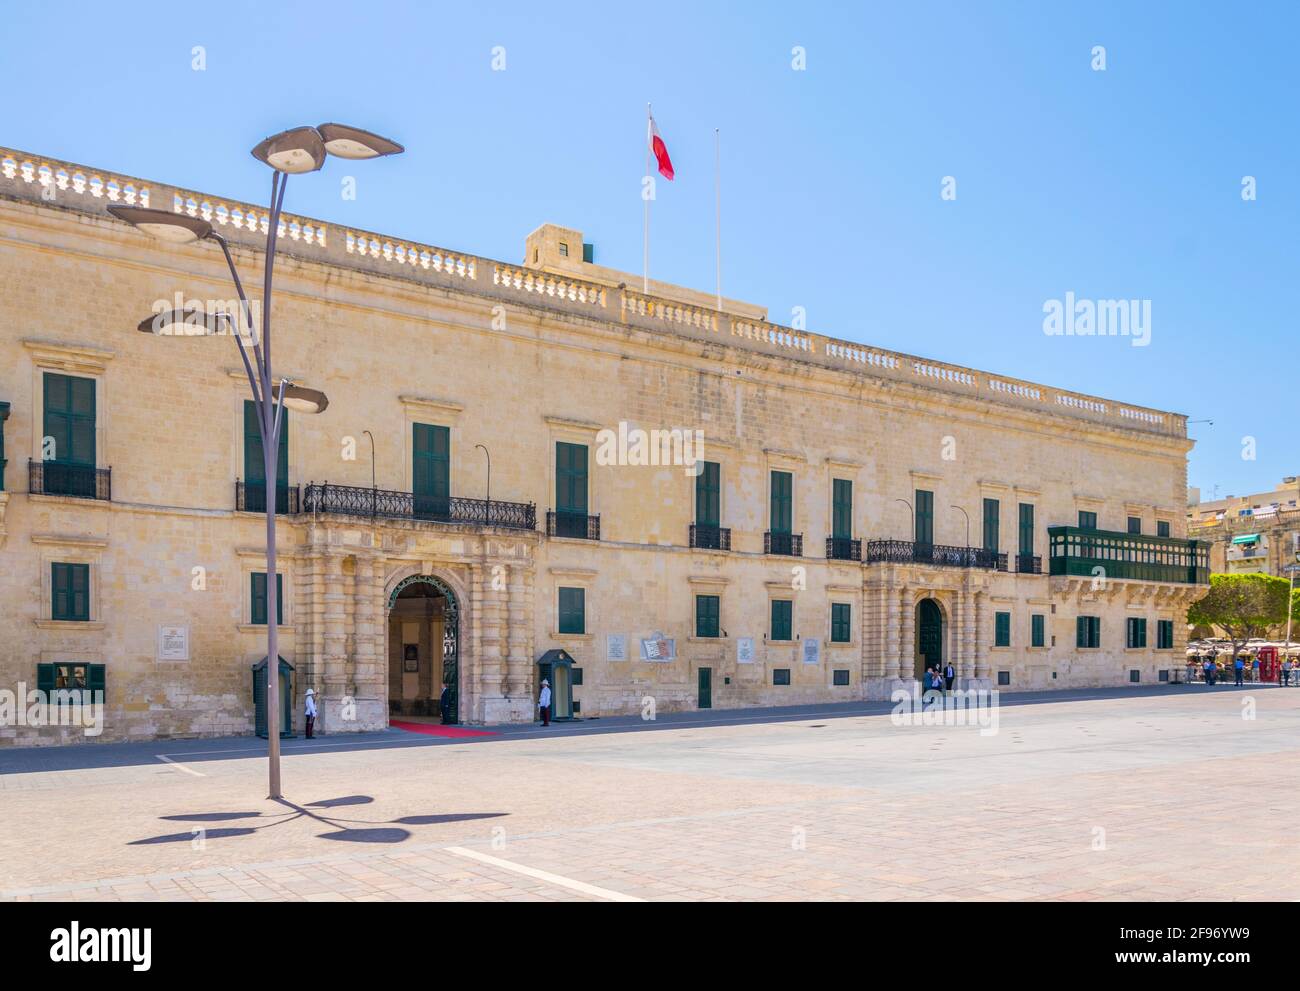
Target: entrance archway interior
929, 636
422, 637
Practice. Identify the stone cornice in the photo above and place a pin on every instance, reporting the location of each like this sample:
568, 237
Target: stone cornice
69, 540
424, 405
77, 358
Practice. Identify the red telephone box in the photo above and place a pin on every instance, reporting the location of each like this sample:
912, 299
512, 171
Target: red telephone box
1268, 664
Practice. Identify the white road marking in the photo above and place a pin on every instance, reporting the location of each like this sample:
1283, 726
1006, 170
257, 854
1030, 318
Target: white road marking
180, 767
564, 882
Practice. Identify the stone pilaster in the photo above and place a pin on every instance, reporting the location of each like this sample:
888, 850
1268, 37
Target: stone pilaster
334, 715
983, 633
517, 686
907, 638
370, 666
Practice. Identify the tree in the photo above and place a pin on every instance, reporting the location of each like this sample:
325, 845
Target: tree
1243, 606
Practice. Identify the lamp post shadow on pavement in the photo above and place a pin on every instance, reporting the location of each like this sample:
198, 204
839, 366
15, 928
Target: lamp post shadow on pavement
296, 151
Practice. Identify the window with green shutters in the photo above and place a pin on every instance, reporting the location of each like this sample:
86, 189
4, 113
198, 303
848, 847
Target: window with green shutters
782, 502
1137, 632
70, 591
1135, 524
708, 494
706, 615
841, 622
573, 610
992, 525
70, 419
1164, 634
1087, 520
571, 490
842, 509
431, 470
1087, 631
255, 465
1026, 528
1162, 528
1002, 629
1037, 635
4, 415
782, 619
924, 517
71, 677
258, 598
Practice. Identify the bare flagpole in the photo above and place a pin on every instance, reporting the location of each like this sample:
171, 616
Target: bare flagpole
717, 199
645, 195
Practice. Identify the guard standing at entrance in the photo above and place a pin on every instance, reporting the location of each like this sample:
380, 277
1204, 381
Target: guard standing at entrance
949, 675
544, 703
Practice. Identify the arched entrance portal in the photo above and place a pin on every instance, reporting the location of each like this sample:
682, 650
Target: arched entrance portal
929, 636
423, 649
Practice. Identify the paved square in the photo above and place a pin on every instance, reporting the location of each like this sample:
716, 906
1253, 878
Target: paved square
1159, 794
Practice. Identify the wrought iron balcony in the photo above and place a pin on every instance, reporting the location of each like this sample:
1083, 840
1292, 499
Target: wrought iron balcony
65, 479
250, 497
1029, 564
714, 538
577, 525
843, 549
1111, 554
788, 544
356, 500
943, 555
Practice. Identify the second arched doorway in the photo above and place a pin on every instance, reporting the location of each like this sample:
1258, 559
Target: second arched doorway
929, 637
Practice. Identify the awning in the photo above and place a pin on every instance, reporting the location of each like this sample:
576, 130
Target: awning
1246, 538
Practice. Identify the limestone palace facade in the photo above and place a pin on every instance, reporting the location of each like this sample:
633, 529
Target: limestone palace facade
690, 506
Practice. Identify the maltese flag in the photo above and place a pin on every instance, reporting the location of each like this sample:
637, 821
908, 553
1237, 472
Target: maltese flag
660, 150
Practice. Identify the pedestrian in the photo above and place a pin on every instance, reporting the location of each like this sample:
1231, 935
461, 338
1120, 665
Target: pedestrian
1254, 670
1286, 672
1238, 669
310, 711
949, 676
1209, 671
1191, 670
544, 702
444, 704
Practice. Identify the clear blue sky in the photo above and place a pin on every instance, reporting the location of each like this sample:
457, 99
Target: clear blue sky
1117, 184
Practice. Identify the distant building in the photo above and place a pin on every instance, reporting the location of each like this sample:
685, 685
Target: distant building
1253, 533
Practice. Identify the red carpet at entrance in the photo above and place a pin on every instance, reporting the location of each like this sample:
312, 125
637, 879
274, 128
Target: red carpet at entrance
437, 729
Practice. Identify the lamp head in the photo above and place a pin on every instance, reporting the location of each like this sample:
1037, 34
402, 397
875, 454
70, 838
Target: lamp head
177, 228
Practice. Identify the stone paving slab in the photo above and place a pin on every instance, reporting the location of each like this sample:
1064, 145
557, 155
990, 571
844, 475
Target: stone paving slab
1150, 796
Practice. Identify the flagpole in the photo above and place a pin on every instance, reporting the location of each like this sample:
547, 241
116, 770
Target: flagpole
645, 195
717, 199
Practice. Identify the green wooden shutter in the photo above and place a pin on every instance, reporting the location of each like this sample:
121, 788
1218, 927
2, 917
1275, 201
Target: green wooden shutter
1081, 631
431, 470
70, 417
572, 610
842, 509
706, 615
95, 681
841, 622
924, 517
1037, 637
708, 494
70, 590
45, 679
992, 525
1087, 520
570, 478
781, 511
255, 465
1026, 528
258, 592
781, 619
1002, 629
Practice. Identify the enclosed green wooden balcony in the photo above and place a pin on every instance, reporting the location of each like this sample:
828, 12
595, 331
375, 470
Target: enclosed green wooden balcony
1080, 552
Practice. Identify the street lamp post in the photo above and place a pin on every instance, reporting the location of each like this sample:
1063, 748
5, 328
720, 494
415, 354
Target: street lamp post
967, 515
292, 152
374, 489
487, 513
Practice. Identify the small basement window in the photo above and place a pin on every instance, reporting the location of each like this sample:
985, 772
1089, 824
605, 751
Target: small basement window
781, 676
